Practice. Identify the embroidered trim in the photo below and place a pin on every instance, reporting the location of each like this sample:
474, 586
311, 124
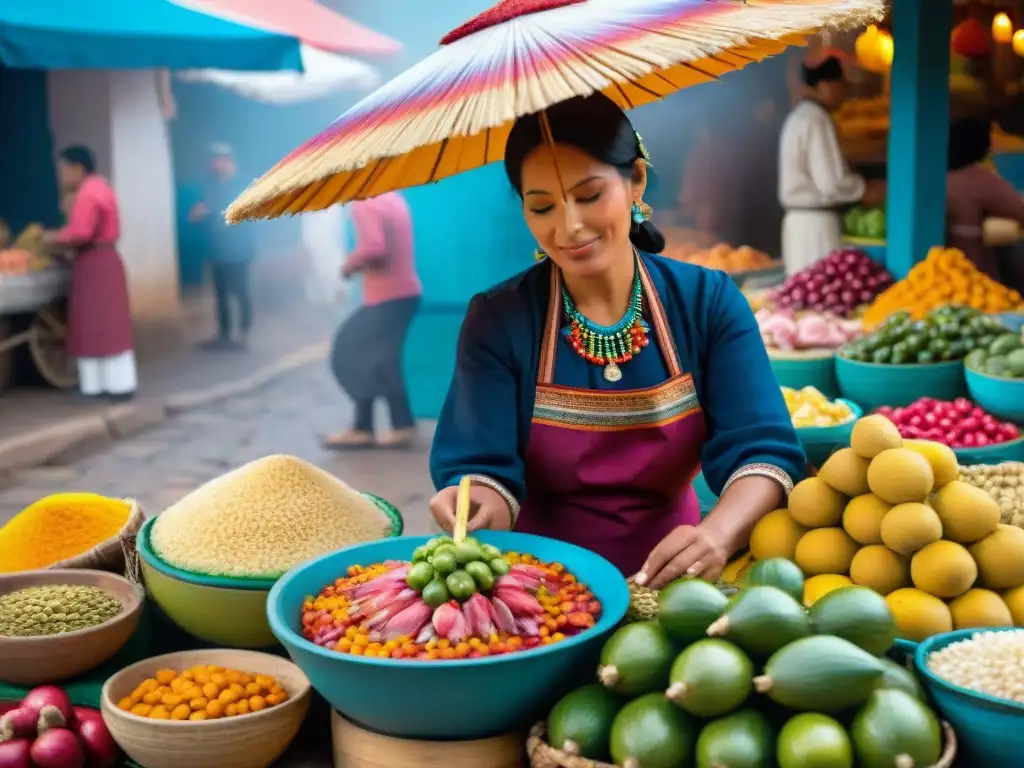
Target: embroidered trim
762, 470
505, 493
615, 410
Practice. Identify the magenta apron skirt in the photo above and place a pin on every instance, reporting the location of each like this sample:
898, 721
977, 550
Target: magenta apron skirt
612, 471
99, 314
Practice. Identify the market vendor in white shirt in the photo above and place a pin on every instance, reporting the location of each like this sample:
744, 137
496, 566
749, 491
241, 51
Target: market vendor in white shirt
814, 179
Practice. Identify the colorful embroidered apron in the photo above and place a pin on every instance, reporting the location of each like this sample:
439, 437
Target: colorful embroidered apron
612, 470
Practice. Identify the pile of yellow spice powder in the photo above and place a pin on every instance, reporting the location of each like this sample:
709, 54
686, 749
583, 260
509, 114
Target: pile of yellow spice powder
59, 527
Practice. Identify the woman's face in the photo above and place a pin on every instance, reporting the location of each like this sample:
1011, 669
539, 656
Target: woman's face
585, 233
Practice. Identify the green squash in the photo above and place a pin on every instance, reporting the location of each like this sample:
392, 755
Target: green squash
636, 659
687, 607
743, 739
761, 620
857, 614
710, 678
581, 722
895, 730
652, 732
777, 572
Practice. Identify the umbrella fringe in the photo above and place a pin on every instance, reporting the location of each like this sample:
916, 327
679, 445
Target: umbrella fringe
452, 112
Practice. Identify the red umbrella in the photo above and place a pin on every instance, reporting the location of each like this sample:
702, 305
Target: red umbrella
310, 22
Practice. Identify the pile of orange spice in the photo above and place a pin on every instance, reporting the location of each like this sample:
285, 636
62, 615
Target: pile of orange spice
205, 692
946, 276
573, 608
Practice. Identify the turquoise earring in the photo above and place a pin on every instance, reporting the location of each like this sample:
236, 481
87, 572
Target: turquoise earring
640, 212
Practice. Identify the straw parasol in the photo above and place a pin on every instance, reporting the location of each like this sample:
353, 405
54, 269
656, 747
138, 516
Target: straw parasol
453, 111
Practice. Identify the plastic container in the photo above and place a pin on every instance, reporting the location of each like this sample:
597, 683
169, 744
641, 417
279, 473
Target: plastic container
495, 694
902, 651
797, 371
999, 396
872, 385
990, 731
1012, 450
225, 611
821, 442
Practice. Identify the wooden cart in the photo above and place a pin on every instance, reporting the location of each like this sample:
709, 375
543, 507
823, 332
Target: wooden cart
32, 312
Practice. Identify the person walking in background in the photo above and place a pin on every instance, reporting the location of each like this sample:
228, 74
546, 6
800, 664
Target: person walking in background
100, 334
231, 251
367, 354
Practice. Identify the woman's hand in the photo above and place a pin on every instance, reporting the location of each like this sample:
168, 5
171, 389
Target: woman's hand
487, 509
688, 550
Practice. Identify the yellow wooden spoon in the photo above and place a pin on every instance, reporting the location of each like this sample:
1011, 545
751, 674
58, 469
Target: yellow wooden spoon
462, 510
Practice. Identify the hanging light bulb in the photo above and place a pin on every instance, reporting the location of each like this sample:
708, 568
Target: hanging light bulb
1002, 28
884, 50
1018, 42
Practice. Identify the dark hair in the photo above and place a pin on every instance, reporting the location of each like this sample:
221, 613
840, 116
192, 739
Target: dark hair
596, 126
79, 154
829, 70
970, 140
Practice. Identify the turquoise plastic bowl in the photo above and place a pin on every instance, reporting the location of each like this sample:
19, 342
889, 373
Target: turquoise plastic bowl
992, 454
902, 651
872, 385
821, 442
990, 731
1000, 397
797, 373
453, 700
146, 551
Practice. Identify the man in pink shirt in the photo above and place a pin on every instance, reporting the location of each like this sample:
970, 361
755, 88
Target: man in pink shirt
367, 354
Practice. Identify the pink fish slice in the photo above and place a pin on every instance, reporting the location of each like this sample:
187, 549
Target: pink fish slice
386, 614
519, 601
477, 612
503, 617
381, 582
408, 622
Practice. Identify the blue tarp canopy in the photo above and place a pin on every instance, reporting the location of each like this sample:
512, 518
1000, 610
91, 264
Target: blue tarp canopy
134, 34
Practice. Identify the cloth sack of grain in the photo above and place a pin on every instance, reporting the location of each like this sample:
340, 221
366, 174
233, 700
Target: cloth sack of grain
115, 554
264, 518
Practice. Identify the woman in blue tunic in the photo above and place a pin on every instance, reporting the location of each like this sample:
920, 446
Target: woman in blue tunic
591, 389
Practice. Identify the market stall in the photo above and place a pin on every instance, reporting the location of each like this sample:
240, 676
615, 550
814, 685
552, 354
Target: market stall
33, 288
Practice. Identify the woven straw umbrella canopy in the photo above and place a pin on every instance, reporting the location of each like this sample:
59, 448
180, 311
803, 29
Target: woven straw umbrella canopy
452, 112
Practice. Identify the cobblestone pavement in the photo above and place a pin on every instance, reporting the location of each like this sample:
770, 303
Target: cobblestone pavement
161, 465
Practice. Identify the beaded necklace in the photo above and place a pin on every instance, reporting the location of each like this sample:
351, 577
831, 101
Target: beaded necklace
608, 345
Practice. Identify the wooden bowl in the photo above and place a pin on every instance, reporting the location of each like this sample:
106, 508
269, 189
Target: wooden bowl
356, 747
52, 658
253, 740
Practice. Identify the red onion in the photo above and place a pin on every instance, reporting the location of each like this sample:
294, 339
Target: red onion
100, 748
20, 723
16, 754
58, 748
48, 695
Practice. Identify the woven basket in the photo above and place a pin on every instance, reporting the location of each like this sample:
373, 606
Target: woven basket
543, 755
116, 552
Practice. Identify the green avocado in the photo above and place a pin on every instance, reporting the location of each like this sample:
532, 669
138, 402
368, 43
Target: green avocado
777, 572
710, 678
636, 659
652, 732
1004, 344
687, 607
857, 614
975, 359
894, 728
814, 741
761, 620
744, 739
1015, 362
997, 365
581, 723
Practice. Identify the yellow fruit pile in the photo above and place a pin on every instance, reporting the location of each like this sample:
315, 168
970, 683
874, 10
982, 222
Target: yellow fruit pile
946, 276
808, 407
892, 515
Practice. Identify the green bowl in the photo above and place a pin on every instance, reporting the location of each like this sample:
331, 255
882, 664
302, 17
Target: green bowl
799, 371
872, 385
149, 554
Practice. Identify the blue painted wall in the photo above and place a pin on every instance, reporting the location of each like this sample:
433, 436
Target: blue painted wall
28, 185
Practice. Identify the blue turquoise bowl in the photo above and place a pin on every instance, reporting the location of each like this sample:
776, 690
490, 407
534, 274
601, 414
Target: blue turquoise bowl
990, 731
453, 700
999, 396
872, 385
902, 651
1012, 450
821, 442
797, 373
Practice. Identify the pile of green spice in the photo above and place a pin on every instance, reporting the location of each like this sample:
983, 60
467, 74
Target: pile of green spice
52, 609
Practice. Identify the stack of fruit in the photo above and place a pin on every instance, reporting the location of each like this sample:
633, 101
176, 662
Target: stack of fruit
1004, 483
721, 256
840, 283
957, 424
1003, 358
808, 407
865, 223
752, 681
892, 515
949, 332
944, 277
786, 329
